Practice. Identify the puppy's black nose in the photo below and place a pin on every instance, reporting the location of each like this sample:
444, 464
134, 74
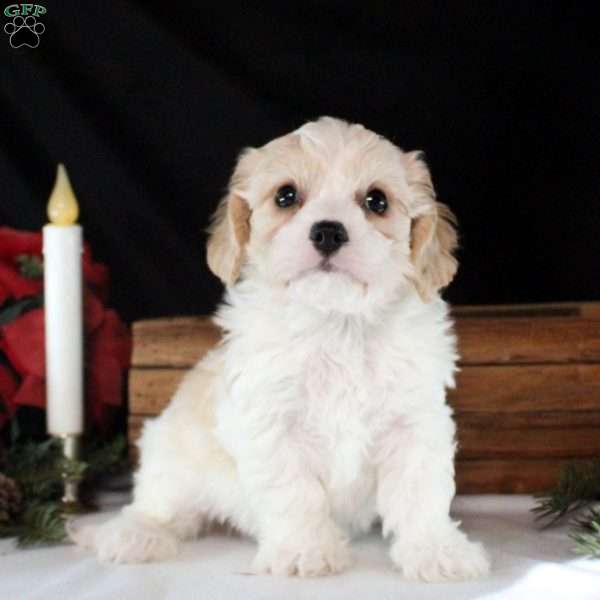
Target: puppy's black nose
328, 236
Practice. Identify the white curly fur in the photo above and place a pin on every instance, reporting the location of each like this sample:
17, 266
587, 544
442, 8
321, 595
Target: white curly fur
323, 409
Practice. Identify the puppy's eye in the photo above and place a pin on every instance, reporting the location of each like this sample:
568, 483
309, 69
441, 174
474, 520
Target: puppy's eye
376, 201
286, 196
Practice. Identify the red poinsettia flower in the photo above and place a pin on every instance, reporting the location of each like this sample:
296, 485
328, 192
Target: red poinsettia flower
107, 339
108, 355
107, 352
14, 242
17, 246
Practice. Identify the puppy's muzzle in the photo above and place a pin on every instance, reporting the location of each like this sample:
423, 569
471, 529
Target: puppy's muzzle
328, 236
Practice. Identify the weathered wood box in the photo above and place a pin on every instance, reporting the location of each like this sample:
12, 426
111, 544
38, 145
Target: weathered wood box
527, 397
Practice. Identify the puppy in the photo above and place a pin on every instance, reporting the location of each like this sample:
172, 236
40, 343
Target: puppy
323, 408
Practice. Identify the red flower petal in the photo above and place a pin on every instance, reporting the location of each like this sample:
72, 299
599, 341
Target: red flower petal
100, 416
31, 393
112, 339
24, 343
24, 337
14, 242
93, 312
108, 354
105, 382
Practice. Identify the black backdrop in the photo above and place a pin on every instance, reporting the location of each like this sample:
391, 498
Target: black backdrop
148, 106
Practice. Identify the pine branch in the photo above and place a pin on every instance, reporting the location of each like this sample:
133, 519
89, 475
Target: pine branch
578, 486
587, 534
42, 524
39, 523
105, 458
40, 470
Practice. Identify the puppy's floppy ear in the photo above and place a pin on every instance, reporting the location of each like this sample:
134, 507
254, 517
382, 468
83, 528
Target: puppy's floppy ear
230, 227
433, 232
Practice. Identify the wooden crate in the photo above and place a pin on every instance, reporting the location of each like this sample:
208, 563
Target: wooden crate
527, 397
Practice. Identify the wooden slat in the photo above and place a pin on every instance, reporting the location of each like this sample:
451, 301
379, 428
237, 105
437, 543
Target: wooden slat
173, 342
585, 310
492, 389
528, 340
556, 419
500, 389
134, 427
527, 442
498, 476
151, 389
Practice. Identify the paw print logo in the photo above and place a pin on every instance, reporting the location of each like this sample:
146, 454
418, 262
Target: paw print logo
24, 31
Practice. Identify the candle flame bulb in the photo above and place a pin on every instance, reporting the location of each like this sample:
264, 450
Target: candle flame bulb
62, 205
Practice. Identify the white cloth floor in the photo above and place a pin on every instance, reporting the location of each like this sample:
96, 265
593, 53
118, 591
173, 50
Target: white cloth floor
528, 564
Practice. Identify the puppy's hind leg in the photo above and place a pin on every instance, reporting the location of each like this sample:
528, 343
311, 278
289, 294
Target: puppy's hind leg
128, 537
185, 480
161, 514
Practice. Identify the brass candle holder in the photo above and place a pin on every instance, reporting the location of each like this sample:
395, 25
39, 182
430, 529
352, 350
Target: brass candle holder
70, 501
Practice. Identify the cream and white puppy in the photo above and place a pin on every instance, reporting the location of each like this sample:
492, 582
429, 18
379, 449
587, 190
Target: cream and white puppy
323, 409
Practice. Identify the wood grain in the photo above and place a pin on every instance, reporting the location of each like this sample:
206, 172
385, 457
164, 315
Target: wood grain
491, 438
172, 342
499, 476
491, 389
150, 390
514, 388
585, 310
528, 340
134, 427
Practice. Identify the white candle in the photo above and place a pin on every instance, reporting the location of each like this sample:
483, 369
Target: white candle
63, 309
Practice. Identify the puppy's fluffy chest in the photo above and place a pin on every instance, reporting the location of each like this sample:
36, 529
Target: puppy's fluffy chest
330, 386
336, 412
319, 384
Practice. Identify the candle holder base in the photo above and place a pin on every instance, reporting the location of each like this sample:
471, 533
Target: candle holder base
73, 508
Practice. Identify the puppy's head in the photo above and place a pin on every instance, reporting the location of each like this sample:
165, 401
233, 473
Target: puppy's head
337, 215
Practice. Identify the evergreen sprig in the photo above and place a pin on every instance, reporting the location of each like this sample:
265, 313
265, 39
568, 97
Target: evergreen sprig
40, 470
586, 534
578, 486
40, 523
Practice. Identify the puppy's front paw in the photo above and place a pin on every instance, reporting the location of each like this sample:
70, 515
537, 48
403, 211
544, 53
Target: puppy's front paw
306, 559
450, 558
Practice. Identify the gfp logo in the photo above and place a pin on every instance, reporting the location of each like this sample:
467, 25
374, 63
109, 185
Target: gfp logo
24, 29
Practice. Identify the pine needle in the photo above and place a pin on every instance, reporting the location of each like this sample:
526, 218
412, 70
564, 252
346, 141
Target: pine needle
42, 524
578, 486
40, 470
105, 458
586, 534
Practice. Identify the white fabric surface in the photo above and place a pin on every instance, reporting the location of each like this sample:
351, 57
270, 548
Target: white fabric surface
528, 564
